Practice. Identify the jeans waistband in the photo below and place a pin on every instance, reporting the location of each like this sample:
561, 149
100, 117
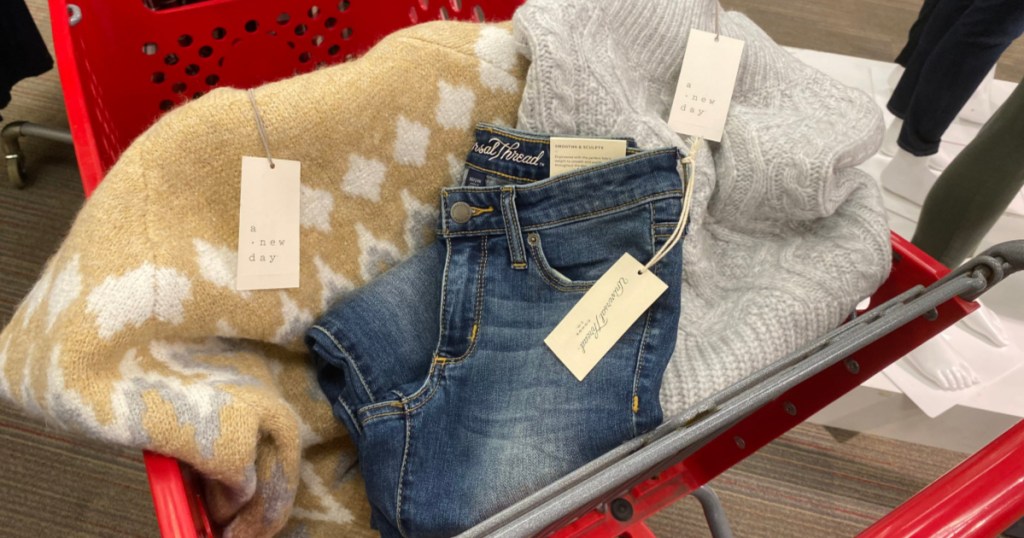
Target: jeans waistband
516, 156
585, 193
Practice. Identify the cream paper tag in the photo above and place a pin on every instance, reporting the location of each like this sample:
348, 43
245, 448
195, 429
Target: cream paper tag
705, 86
603, 315
568, 154
268, 225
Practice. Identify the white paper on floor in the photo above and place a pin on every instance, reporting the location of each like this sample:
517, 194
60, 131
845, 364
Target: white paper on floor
989, 363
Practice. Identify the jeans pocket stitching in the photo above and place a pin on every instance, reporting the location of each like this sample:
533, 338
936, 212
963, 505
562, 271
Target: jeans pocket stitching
352, 416
402, 475
644, 339
477, 307
549, 273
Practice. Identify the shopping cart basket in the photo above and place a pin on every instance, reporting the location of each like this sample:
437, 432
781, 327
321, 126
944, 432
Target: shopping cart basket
123, 63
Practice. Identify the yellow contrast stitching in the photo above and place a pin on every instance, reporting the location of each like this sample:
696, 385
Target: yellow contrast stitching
636, 404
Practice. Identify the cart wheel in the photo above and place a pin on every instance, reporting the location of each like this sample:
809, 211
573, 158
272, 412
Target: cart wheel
16, 170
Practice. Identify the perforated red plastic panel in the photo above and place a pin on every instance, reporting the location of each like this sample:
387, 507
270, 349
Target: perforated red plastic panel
123, 64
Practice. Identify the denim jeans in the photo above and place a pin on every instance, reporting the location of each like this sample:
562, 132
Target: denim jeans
438, 368
958, 44
914, 35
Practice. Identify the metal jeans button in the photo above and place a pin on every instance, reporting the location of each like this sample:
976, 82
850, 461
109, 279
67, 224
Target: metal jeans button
461, 212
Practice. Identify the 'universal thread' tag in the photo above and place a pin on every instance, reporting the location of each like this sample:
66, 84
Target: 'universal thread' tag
604, 314
268, 225
705, 86
568, 154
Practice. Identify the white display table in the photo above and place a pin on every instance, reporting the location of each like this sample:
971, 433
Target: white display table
976, 415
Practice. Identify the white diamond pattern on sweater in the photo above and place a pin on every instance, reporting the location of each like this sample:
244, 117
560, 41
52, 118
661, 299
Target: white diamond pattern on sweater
411, 142
420, 219
331, 511
133, 298
375, 255
66, 287
497, 52
363, 178
455, 106
456, 167
332, 285
218, 265
37, 295
295, 322
316, 206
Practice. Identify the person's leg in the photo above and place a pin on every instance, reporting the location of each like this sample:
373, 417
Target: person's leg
944, 15
914, 35
955, 68
976, 188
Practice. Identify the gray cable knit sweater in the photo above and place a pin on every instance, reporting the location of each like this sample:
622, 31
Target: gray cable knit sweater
785, 235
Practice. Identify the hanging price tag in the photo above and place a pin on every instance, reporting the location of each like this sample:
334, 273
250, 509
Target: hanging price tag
604, 314
268, 225
706, 82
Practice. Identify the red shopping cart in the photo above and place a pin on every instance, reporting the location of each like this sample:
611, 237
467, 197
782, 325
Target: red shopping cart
124, 63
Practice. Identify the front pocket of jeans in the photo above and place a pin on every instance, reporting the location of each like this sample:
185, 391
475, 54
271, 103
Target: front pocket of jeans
553, 276
572, 257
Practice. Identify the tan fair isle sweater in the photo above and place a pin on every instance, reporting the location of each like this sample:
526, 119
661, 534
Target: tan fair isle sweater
135, 334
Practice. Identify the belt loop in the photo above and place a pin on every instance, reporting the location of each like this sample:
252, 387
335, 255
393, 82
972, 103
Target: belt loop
444, 212
512, 230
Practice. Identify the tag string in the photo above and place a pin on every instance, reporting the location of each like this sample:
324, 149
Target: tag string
690, 163
718, 28
259, 126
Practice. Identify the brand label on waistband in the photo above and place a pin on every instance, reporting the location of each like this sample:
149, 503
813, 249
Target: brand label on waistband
706, 82
268, 225
568, 154
497, 149
603, 315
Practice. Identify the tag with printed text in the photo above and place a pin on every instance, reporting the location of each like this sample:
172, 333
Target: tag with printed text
268, 225
603, 315
568, 154
705, 86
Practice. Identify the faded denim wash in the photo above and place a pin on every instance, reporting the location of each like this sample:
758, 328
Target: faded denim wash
438, 368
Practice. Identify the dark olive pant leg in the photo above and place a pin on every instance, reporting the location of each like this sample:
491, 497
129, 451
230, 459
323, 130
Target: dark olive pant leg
975, 189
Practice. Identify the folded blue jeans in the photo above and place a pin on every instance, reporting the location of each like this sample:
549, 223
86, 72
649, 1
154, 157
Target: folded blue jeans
438, 368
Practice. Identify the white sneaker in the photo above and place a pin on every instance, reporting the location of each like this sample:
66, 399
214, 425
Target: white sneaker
939, 161
909, 176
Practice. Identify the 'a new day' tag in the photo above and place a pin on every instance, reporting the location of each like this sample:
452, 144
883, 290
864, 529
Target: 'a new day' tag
268, 225
603, 315
705, 86
568, 154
